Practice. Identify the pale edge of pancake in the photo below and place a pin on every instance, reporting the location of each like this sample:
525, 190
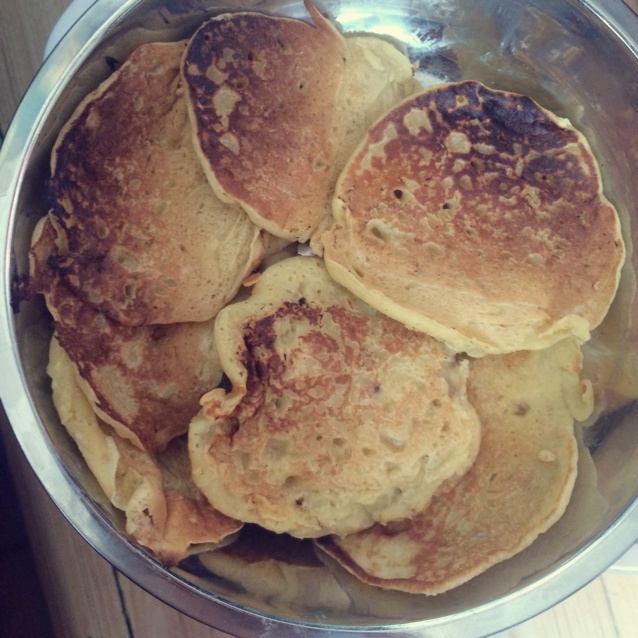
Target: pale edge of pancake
570, 325
582, 521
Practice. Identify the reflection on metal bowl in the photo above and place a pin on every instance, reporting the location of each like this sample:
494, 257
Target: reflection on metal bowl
578, 59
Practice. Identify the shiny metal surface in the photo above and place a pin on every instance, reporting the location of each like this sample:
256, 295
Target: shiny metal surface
577, 58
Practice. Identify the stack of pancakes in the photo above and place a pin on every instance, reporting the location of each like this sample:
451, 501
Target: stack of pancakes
406, 393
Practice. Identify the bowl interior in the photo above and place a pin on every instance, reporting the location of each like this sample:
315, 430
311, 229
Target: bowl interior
571, 60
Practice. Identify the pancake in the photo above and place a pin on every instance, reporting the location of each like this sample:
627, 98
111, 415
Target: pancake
164, 511
337, 416
277, 102
145, 381
518, 487
376, 77
478, 217
281, 572
147, 241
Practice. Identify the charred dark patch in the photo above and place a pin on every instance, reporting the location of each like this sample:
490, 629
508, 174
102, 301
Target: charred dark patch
113, 63
233, 426
260, 357
460, 102
20, 291
510, 118
257, 544
59, 263
158, 332
517, 118
261, 334
225, 383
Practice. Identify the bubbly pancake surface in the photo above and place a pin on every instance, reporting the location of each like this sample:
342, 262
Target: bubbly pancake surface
164, 510
517, 488
145, 381
338, 416
477, 216
147, 241
454, 217
277, 103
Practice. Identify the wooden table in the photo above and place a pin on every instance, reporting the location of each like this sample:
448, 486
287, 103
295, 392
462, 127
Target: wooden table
84, 595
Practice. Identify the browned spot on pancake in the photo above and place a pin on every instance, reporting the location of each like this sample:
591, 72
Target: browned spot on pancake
262, 91
267, 379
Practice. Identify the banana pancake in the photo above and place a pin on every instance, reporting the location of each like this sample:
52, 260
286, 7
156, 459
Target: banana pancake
278, 103
337, 417
164, 510
478, 217
147, 241
516, 489
145, 381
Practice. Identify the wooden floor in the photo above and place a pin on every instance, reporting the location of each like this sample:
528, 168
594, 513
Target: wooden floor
17, 568
52, 584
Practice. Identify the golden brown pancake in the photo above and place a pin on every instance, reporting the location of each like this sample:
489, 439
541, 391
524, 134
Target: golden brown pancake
338, 416
145, 381
164, 510
147, 241
276, 102
516, 489
478, 217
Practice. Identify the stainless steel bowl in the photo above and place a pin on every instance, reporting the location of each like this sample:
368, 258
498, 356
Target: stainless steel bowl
579, 58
